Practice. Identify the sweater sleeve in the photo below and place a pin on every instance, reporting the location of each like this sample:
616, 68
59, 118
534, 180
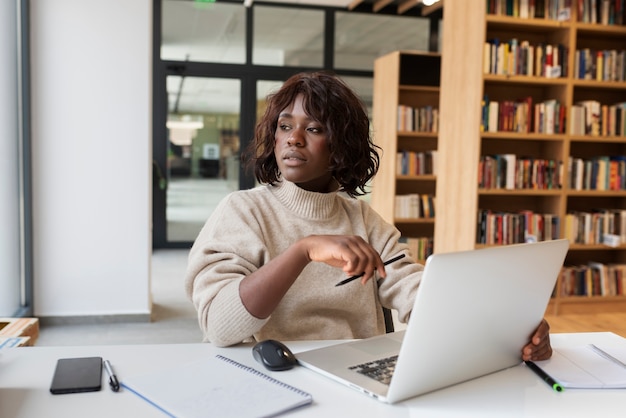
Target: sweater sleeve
228, 248
396, 291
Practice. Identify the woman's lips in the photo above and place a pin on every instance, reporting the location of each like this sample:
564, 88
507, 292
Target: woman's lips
293, 158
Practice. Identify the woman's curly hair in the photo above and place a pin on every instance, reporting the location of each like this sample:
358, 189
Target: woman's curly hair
354, 159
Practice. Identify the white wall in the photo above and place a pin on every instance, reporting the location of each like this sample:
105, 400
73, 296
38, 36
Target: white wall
9, 191
91, 134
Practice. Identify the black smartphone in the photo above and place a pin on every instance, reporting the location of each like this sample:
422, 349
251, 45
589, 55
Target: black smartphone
80, 374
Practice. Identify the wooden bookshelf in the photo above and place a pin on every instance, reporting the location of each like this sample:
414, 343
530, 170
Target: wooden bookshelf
397, 83
462, 143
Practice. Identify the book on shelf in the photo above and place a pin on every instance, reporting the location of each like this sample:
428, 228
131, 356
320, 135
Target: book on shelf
593, 279
414, 206
600, 65
504, 228
606, 12
419, 247
514, 57
508, 171
592, 116
416, 163
597, 173
577, 120
534, 9
493, 110
601, 226
520, 115
603, 283
549, 117
428, 205
418, 119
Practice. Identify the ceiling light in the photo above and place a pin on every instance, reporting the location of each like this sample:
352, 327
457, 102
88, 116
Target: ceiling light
429, 2
185, 122
183, 129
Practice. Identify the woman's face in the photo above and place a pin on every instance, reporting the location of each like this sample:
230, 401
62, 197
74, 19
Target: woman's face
301, 149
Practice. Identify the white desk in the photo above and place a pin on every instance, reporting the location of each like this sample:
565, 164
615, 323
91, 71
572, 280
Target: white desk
25, 375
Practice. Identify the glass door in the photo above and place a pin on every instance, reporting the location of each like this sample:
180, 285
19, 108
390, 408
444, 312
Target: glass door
202, 151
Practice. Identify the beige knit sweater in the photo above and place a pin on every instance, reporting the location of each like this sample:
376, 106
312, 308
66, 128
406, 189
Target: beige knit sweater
250, 227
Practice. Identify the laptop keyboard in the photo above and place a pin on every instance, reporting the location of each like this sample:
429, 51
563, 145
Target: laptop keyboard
380, 370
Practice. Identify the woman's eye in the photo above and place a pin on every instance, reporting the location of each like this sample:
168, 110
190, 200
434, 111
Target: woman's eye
315, 130
284, 127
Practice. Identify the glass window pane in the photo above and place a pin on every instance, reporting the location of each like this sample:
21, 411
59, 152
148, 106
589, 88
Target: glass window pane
364, 88
288, 37
203, 150
212, 32
263, 89
361, 38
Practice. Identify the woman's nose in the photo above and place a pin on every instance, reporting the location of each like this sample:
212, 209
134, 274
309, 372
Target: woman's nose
296, 138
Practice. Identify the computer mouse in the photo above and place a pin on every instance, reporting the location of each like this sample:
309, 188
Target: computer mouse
274, 355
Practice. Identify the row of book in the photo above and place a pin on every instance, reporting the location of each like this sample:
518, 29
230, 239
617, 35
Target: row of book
590, 117
414, 206
536, 9
508, 171
597, 173
606, 12
420, 248
600, 65
521, 58
601, 226
416, 163
521, 115
503, 228
418, 119
587, 117
593, 279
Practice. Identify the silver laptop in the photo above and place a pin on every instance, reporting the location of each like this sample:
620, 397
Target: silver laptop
473, 313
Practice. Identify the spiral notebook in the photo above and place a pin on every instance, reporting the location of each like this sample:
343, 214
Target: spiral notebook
587, 367
218, 385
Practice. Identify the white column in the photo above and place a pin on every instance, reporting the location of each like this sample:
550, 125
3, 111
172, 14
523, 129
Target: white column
9, 164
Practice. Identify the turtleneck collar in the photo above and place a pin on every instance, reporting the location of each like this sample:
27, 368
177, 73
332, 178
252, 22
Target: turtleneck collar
304, 203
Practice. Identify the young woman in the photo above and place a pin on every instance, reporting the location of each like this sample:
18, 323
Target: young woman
266, 262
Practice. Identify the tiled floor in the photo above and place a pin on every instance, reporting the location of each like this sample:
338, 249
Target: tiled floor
190, 201
173, 318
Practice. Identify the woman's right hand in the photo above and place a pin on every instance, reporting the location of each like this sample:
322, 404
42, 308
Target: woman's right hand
263, 290
348, 252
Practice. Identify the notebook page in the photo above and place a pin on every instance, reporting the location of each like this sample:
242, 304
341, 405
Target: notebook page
582, 367
216, 385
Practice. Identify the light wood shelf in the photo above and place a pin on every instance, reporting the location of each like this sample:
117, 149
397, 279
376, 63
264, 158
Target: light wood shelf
461, 143
396, 82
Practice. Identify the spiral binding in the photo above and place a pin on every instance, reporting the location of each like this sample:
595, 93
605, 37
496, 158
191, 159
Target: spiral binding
264, 376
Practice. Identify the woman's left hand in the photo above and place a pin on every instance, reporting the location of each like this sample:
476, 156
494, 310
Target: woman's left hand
539, 346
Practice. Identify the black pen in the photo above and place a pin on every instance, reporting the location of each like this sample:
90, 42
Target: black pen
113, 382
349, 279
544, 376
